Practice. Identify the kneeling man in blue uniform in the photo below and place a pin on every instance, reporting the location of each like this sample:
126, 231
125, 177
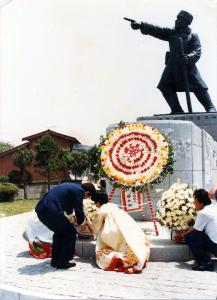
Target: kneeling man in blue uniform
66, 197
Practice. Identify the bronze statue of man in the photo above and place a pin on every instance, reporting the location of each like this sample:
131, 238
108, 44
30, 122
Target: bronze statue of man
172, 79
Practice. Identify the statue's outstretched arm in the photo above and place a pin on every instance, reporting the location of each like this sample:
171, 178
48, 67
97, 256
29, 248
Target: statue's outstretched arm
156, 31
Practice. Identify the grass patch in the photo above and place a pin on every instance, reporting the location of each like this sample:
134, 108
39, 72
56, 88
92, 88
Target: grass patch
16, 207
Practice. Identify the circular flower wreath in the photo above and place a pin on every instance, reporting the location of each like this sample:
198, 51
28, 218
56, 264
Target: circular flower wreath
136, 155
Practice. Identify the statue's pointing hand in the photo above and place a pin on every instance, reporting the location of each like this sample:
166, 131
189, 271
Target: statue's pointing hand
135, 25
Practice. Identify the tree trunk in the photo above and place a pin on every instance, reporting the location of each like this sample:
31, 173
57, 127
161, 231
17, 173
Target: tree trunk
24, 176
25, 190
48, 180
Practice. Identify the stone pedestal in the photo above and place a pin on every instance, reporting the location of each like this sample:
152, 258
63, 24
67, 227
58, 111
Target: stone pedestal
206, 121
195, 155
162, 248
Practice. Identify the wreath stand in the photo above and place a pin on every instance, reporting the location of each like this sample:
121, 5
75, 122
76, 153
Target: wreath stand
147, 192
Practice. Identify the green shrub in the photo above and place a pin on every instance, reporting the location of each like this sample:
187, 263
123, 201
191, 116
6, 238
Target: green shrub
4, 179
7, 191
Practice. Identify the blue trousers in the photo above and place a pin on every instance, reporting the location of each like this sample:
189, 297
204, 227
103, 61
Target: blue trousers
201, 246
64, 237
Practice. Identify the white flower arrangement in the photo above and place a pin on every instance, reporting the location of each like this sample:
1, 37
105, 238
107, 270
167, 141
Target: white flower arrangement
175, 208
90, 210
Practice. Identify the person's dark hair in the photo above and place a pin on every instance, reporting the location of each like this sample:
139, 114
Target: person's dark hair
202, 196
100, 197
103, 185
89, 187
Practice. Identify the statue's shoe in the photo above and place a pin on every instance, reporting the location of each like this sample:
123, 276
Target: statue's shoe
177, 113
211, 110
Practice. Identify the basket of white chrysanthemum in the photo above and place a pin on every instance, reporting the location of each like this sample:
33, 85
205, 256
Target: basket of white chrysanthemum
176, 209
90, 212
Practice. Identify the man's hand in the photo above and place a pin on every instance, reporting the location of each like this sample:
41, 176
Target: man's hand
82, 227
190, 229
135, 25
184, 233
185, 59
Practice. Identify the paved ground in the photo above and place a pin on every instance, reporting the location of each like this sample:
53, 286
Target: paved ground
160, 280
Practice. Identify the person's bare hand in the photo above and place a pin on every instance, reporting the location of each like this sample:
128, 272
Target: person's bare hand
82, 227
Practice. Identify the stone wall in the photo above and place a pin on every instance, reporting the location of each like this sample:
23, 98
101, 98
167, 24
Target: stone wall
34, 191
209, 159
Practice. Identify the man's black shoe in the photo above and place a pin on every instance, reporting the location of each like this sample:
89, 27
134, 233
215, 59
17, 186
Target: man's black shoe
207, 267
66, 265
53, 264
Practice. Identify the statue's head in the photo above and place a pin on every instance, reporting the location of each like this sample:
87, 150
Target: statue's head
183, 19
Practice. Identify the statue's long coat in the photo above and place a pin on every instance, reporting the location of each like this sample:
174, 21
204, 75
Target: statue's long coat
173, 72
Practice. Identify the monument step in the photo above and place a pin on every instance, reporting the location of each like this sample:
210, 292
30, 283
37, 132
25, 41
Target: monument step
162, 248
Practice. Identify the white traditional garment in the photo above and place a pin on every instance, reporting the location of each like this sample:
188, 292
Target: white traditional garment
40, 237
35, 229
121, 244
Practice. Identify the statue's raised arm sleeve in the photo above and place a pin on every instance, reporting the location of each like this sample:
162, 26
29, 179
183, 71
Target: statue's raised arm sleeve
195, 49
155, 31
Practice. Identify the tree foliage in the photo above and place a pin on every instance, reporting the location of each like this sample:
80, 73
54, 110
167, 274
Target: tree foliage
15, 176
77, 162
94, 161
22, 159
4, 146
47, 156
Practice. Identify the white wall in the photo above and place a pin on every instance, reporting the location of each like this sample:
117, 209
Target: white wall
76, 66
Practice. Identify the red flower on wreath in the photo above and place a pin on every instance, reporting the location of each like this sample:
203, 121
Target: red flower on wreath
134, 154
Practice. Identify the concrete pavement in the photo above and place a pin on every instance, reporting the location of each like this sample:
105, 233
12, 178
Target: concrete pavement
25, 278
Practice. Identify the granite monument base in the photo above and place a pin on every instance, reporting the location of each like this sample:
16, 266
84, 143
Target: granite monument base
204, 120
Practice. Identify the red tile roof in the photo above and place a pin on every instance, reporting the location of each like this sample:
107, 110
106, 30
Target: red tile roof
73, 139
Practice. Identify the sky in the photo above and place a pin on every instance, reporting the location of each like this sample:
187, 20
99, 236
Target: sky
75, 66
